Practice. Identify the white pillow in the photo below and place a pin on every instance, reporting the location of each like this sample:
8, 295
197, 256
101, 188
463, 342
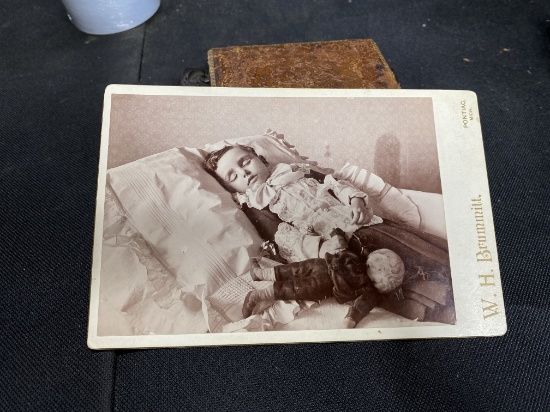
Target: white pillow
137, 294
192, 224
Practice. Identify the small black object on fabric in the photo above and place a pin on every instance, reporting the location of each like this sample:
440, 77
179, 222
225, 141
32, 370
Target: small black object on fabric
195, 77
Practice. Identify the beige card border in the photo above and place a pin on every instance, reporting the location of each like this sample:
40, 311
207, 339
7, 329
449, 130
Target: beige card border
476, 284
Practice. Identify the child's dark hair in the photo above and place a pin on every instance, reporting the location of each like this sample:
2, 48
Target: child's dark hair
211, 162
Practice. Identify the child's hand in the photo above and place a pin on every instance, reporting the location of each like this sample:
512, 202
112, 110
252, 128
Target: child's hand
360, 213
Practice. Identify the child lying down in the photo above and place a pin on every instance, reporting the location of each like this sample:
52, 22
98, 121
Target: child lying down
309, 209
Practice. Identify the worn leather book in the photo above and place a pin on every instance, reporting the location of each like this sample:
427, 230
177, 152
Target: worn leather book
341, 64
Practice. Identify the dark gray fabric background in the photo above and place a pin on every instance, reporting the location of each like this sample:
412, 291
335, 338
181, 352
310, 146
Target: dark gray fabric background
52, 79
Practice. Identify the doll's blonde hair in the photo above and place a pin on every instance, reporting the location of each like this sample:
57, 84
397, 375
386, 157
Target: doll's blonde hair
394, 277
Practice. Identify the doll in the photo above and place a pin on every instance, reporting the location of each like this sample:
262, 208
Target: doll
344, 276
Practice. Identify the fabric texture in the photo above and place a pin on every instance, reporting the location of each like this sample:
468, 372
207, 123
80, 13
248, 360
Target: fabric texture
138, 294
194, 226
307, 280
305, 203
52, 80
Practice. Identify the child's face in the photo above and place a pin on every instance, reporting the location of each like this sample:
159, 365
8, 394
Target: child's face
242, 170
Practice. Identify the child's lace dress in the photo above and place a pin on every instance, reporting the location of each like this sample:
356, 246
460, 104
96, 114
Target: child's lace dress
307, 205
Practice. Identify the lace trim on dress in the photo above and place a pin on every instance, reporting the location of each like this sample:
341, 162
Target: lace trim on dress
289, 241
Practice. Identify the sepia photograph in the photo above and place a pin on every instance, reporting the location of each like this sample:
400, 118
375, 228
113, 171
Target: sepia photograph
273, 213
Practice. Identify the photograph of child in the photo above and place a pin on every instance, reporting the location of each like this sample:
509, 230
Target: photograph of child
347, 231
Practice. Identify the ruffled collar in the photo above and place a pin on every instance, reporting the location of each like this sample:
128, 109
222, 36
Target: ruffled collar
281, 175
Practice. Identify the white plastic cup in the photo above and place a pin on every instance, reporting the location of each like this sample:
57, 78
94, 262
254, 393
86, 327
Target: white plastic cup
109, 16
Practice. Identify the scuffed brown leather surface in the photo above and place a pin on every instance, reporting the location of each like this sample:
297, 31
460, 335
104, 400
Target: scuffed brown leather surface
343, 64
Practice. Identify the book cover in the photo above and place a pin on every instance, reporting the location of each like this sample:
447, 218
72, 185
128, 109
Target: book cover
341, 64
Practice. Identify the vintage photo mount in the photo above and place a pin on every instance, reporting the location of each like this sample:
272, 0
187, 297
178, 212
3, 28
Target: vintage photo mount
469, 222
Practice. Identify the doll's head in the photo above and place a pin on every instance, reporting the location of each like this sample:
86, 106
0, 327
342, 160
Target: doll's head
238, 168
386, 270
